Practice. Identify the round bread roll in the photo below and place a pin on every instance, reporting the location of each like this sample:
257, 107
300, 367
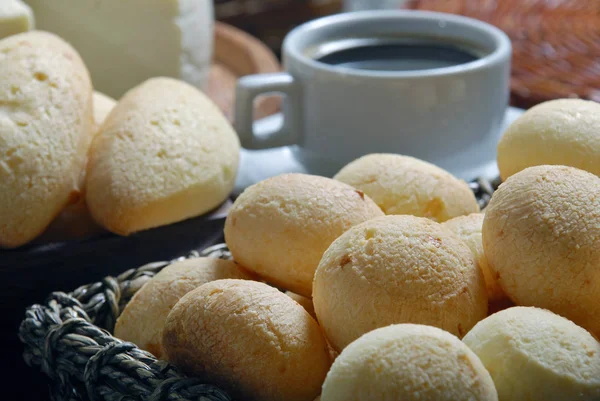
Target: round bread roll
556, 132
541, 236
468, 228
535, 355
165, 153
249, 338
397, 269
305, 302
408, 362
75, 220
103, 105
405, 185
143, 318
280, 227
45, 132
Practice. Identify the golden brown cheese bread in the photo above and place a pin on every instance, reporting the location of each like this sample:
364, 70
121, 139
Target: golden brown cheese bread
397, 269
143, 318
408, 362
468, 228
406, 185
165, 153
541, 237
536, 355
75, 220
45, 132
556, 132
249, 338
305, 302
280, 227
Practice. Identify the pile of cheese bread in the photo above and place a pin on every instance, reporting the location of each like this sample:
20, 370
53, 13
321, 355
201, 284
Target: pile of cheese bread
386, 282
75, 162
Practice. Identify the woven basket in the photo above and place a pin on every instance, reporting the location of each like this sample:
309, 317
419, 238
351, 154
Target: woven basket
69, 339
556, 44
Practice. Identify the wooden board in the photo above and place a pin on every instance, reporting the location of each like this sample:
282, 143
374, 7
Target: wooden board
237, 54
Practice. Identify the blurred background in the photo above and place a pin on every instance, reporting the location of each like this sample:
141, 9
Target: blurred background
556, 46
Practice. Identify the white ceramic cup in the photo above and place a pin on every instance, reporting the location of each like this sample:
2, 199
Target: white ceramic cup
334, 114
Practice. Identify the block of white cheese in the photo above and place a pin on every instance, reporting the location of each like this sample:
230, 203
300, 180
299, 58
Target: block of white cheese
124, 43
15, 17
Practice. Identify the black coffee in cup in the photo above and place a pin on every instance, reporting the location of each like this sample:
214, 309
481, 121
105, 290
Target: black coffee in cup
382, 54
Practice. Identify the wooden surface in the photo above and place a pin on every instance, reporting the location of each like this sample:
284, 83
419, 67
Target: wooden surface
271, 20
556, 44
237, 54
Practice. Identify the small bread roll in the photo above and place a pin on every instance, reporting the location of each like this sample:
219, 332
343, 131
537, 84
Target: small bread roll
143, 318
397, 269
541, 236
45, 132
408, 362
535, 355
405, 185
305, 302
468, 228
556, 132
75, 220
103, 105
249, 338
166, 153
280, 227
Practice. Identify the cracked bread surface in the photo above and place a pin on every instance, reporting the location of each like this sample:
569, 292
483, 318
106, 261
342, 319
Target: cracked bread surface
405, 185
402, 269
536, 355
45, 132
143, 319
541, 236
250, 338
164, 154
555, 132
75, 220
468, 228
408, 362
280, 227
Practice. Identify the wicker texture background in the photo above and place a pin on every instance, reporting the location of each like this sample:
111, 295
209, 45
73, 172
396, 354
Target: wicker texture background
556, 44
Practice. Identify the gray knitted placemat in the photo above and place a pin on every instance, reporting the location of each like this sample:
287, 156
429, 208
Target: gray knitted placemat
69, 339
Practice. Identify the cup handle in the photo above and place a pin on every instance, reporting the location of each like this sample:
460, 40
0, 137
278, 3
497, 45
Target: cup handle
249, 87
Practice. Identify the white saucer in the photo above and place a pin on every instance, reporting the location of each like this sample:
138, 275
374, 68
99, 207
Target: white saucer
257, 165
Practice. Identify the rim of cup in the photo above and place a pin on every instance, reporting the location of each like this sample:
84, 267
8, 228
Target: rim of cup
501, 43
